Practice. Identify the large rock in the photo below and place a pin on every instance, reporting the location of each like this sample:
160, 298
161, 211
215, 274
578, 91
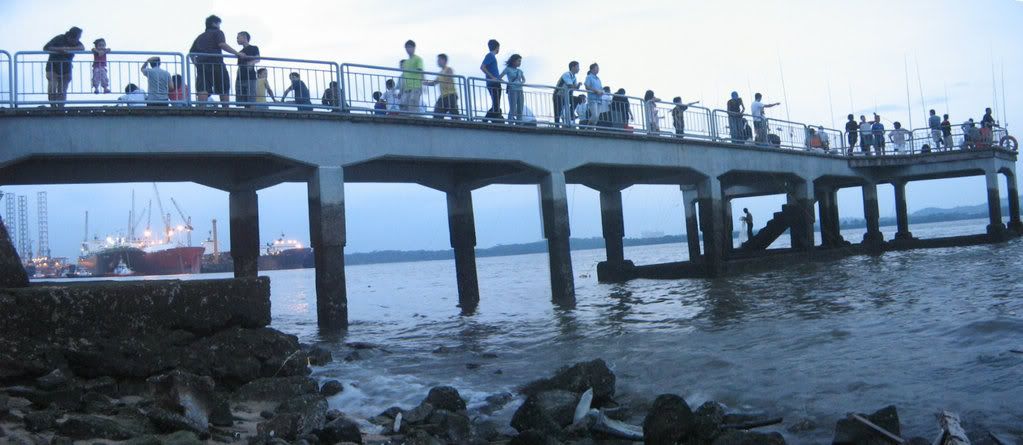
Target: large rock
708, 420
12, 273
533, 437
749, 438
275, 389
331, 387
454, 427
446, 398
669, 421
87, 426
341, 429
237, 356
186, 394
578, 378
310, 412
849, 431
547, 412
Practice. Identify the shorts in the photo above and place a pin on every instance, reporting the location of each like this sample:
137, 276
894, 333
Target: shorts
212, 78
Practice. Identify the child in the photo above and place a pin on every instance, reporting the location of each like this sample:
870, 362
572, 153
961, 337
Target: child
178, 91
133, 96
379, 104
100, 77
301, 92
263, 87
392, 96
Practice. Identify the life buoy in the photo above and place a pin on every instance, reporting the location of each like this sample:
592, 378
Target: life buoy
1009, 143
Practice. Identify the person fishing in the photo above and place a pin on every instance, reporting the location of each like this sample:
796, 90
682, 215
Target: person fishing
747, 219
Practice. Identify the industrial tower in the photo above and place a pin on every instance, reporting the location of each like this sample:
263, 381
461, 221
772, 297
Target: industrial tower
10, 218
24, 244
43, 245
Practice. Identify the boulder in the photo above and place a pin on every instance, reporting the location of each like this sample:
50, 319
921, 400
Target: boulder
237, 356
187, 395
12, 273
89, 426
849, 431
39, 421
669, 421
96, 403
454, 427
446, 398
534, 437
283, 426
275, 389
578, 378
495, 402
331, 387
708, 420
418, 414
733, 437
319, 356
310, 410
546, 412
341, 429
67, 398
55, 379
420, 437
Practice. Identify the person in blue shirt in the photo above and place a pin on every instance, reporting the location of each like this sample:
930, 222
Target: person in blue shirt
301, 92
563, 95
934, 123
594, 93
877, 133
493, 75
516, 79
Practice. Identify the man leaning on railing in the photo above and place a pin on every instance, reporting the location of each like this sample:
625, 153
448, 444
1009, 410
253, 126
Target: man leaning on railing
447, 103
563, 94
58, 66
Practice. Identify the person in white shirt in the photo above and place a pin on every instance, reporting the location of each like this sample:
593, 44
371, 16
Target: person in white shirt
133, 96
563, 102
653, 124
582, 108
392, 96
759, 120
898, 137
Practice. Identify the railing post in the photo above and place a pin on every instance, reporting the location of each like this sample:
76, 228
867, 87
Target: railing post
14, 81
713, 125
188, 80
342, 84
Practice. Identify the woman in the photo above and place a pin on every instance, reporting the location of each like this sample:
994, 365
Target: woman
653, 124
515, 81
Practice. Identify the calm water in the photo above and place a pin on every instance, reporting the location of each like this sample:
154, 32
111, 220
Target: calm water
923, 330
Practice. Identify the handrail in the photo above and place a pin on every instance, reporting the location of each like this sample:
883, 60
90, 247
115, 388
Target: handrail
360, 97
5, 57
317, 76
692, 114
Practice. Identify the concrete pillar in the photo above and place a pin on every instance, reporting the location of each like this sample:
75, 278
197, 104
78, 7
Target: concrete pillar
326, 190
995, 226
554, 206
831, 232
901, 211
613, 225
873, 238
712, 224
1014, 216
800, 198
689, 200
244, 209
726, 207
462, 229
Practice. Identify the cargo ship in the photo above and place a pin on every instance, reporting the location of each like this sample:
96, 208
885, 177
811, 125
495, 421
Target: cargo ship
103, 259
285, 253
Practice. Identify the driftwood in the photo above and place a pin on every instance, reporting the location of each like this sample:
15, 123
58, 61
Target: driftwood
887, 434
952, 432
752, 424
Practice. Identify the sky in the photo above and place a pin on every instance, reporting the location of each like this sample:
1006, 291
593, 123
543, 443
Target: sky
822, 59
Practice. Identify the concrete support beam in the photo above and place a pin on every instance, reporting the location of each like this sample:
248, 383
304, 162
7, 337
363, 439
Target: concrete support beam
1014, 217
831, 231
995, 227
726, 207
326, 190
554, 206
244, 213
613, 227
873, 238
689, 200
901, 211
462, 228
712, 224
800, 199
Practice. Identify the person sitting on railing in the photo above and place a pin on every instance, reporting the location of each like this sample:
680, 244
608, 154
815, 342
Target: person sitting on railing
935, 124
946, 133
492, 74
263, 88
866, 135
100, 76
392, 97
899, 136
736, 125
211, 76
58, 64
594, 93
563, 94
653, 124
133, 96
159, 83
515, 81
411, 79
877, 135
301, 92
245, 83
447, 102
759, 119
852, 131
177, 91
379, 104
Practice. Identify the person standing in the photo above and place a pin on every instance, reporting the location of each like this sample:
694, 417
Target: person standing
594, 94
747, 219
620, 111
653, 124
877, 135
735, 111
866, 130
987, 127
211, 76
563, 99
100, 76
898, 136
492, 73
852, 131
411, 79
159, 83
934, 123
515, 81
946, 132
759, 120
245, 87
447, 103
58, 64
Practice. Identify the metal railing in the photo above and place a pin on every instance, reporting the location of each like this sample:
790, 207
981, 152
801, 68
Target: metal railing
925, 140
84, 81
430, 93
262, 82
6, 80
680, 120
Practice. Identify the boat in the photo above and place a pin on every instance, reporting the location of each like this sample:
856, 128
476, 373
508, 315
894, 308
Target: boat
284, 253
122, 270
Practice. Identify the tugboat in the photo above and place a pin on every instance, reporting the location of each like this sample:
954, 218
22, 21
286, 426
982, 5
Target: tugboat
122, 270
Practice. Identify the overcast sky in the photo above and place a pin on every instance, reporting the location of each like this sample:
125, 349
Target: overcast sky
833, 56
